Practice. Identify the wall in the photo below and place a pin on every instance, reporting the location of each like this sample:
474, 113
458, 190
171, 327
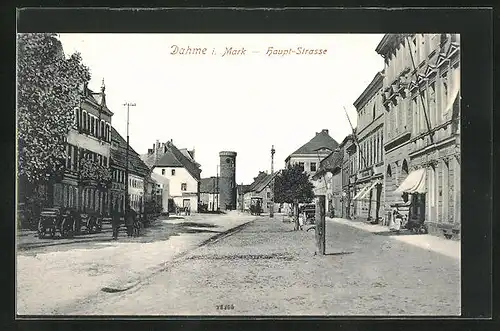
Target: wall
136, 191
175, 181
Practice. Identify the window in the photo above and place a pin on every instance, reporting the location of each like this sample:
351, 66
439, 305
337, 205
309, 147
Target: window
313, 166
183, 187
269, 195
444, 92
173, 172
163, 171
301, 165
432, 104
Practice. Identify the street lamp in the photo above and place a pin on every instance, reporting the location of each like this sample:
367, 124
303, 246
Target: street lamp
271, 211
127, 200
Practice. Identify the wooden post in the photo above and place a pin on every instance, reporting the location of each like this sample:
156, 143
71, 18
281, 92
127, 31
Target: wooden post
320, 224
296, 215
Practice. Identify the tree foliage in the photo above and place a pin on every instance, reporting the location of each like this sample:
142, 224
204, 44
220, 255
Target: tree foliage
47, 94
292, 185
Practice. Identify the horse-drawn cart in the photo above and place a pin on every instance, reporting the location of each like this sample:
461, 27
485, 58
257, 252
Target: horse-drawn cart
53, 220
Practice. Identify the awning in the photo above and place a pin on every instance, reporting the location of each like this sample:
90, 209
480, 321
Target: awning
369, 189
361, 192
414, 183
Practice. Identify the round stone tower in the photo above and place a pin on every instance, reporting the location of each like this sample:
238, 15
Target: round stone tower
227, 181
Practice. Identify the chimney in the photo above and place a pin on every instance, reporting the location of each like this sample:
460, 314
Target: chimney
150, 151
325, 131
192, 153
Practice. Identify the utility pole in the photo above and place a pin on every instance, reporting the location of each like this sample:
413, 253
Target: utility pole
271, 210
127, 200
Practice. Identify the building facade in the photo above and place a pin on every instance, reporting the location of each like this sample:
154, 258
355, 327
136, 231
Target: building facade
87, 177
227, 180
422, 126
309, 156
162, 191
181, 170
368, 179
347, 171
209, 196
261, 188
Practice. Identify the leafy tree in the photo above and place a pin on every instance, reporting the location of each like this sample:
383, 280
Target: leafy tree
47, 94
292, 185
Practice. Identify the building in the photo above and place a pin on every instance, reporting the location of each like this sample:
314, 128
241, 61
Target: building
138, 175
209, 196
348, 149
181, 170
309, 156
261, 188
330, 175
241, 190
86, 180
421, 95
227, 180
368, 179
311, 153
162, 191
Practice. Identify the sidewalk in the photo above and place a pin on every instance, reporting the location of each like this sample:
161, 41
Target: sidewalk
269, 269
436, 244
48, 280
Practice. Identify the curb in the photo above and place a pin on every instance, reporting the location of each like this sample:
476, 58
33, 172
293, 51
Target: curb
124, 286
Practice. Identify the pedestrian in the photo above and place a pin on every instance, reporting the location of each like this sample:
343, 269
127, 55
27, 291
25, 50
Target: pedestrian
115, 220
129, 221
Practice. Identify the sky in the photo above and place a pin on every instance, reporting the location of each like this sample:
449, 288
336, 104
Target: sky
244, 102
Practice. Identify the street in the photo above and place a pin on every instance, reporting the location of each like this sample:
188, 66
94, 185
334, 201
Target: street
55, 273
266, 268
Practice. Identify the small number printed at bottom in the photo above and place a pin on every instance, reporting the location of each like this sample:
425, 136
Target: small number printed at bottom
225, 307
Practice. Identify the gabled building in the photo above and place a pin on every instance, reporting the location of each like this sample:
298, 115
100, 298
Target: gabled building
309, 156
85, 183
261, 188
348, 149
182, 171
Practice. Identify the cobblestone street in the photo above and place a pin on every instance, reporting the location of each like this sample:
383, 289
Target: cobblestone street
268, 269
53, 274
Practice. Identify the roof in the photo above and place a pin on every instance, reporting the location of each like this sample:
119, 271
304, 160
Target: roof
159, 178
208, 185
171, 156
372, 89
346, 139
330, 163
119, 156
321, 140
261, 182
243, 188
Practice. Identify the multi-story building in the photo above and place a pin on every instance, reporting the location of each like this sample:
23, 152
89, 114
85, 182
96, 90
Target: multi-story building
330, 175
352, 156
138, 175
370, 137
347, 171
162, 191
182, 171
422, 126
84, 185
309, 156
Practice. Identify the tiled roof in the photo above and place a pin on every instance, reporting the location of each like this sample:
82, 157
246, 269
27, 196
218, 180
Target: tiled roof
208, 185
321, 140
329, 163
119, 156
261, 182
243, 188
173, 157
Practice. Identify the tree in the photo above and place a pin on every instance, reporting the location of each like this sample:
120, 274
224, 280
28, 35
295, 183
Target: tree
47, 94
292, 185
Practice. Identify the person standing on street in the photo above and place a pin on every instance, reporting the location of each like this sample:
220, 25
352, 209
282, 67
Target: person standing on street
115, 220
129, 221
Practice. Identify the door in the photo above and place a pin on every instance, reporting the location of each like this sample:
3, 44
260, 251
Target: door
186, 203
